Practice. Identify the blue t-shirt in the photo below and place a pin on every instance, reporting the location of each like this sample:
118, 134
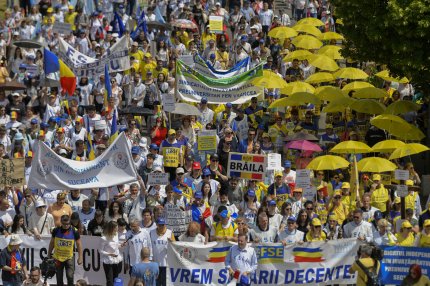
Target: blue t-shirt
148, 272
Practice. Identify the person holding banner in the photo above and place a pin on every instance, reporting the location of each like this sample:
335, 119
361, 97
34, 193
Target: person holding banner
241, 261
137, 239
109, 250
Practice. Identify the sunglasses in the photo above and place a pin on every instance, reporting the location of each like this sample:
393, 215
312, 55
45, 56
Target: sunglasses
337, 198
239, 223
409, 228
356, 217
288, 209
335, 178
309, 209
317, 226
214, 160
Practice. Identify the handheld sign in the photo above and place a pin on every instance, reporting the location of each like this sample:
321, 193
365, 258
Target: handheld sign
247, 166
401, 175
161, 179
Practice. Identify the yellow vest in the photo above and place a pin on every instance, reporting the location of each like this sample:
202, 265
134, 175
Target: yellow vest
379, 198
410, 201
64, 244
228, 232
424, 240
70, 18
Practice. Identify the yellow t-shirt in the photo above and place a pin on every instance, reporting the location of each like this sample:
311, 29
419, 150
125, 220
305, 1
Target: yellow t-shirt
309, 237
138, 55
145, 67
424, 240
379, 198
408, 241
228, 231
340, 211
163, 71
70, 18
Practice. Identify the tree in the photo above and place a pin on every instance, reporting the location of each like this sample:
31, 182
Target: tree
391, 32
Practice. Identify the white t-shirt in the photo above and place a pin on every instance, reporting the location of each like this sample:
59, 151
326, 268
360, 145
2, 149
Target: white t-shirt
159, 246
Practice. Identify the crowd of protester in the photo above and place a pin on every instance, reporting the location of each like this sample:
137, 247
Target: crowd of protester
130, 217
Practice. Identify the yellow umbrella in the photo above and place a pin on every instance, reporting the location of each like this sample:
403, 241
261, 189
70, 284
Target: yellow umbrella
308, 29
297, 86
327, 36
331, 53
328, 93
392, 124
412, 133
368, 106
370, 92
387, 146
325, 48
305, 97
299, 54
284, 102
307, 42
407, 150
269, 80
311, 21
351, 73
375, 165
402, 107
282, 33
327, 162
385, 75
351, 147
339, 104
339, 21
356, 85
323, 62
320, 77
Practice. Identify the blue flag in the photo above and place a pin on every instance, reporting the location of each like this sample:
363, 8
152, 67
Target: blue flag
158, 16
50, 62
118, 25
141, 26
108, 87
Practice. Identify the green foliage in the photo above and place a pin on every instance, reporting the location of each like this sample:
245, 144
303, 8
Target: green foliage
391, 32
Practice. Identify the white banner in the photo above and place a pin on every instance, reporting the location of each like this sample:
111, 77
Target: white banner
91, 269
114, 167
316, 263
192, 86
116, 57
206, 69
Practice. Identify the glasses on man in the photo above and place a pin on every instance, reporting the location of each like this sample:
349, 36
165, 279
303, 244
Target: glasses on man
356, 217
214, 160
337, 197
310, 209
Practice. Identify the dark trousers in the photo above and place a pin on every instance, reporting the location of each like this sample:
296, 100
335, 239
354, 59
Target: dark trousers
69, 266
112, 271
161, 280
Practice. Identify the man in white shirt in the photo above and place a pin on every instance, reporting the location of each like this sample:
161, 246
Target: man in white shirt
290, 234
42, 222
266, 17
358, 228
137, 238
289, 175
241, 260
75, 200
207, 115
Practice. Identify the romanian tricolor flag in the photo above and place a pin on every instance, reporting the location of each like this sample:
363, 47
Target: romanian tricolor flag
113, 128
247, 166
67, 77
218, 254
108, 88
305, 254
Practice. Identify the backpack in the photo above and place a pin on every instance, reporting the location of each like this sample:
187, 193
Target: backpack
372, 276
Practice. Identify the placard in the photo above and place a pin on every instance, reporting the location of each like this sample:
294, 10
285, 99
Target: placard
401, 175
216, 24
274, 161
12, 172
303, 178
62, 28
171, 156
158, 179
247, 166
169, 102
177, 219
402, 190
309, 193
206, 140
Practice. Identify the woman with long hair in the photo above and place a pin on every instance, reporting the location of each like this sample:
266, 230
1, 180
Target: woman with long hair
249, 207
193, 234
109, 250
163, 52
242, 227
206, 191
303, 221
15, 61
18, 226
114, 212
384, 236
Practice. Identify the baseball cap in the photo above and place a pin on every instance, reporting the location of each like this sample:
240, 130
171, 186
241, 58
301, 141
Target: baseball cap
225, 214
228, 105
18, 136
43, 125
316, 222
154, 146
40, 203
278, 174
271, 203
171, 132
180, 170
34, 121
196, 166
135, 150
427, 222
329, 126
206, 172
204, 100
62, 152
376, 177
291, 218
198, 195
244, 37
377, 215
345, 185
251, 193
161, 220
287, 164
406, 224
176, 190
409, 183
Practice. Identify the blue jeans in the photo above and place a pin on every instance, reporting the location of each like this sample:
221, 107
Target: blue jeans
6, 283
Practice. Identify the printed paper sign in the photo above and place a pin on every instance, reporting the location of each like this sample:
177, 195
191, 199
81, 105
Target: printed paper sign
274, 161
401, 175
158, 179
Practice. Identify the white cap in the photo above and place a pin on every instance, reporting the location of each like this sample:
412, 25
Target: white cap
40, 203
217, 4
100, 125
62, 152
15, 240
143, 142
115, 35
181, 5
157, 169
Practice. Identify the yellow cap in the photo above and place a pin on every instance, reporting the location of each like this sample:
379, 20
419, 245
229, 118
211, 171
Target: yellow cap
316, 222
332, 217
337, 193
50, 10
397, 200
278, 174
376, 177
298, 190
171, 132
14, 115
71, 7
147, 55
345, 185
409, 183
329, 126
41, 133
60, 130
427, 222
30, 154
265, 134
406, 224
